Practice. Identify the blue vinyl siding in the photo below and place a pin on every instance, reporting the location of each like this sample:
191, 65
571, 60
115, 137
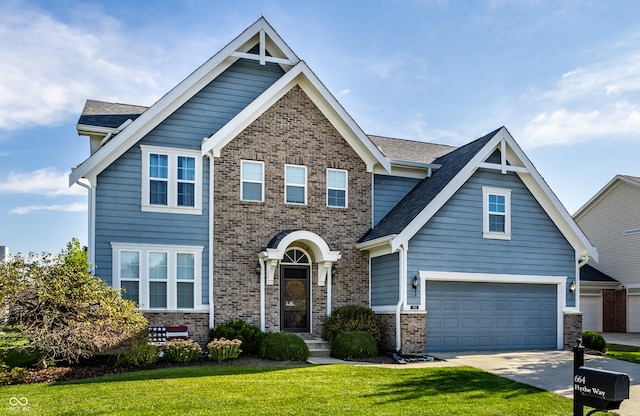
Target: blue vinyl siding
452, 240
384, 280
118, 195
387, 192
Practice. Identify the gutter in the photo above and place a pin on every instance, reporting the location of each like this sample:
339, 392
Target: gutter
91, 223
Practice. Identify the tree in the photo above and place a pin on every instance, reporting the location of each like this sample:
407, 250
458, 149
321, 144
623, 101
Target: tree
66, 312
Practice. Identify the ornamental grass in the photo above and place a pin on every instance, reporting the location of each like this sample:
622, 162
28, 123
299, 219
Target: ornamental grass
221, 349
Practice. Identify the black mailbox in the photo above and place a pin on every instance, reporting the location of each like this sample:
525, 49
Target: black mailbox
600, 389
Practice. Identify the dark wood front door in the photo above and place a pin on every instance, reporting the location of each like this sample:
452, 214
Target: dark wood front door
294, 300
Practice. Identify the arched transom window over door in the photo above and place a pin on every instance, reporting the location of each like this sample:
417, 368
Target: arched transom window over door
295, 293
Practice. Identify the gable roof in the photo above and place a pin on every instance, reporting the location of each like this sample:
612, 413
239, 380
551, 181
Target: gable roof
260, 32
410, 150
630, 180
302, 76
422, 202
111, 115
591, 274
426, 190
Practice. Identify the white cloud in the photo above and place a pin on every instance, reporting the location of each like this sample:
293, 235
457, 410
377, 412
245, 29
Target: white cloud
47, 182
597, 100
344, 92
75, 207
50, 67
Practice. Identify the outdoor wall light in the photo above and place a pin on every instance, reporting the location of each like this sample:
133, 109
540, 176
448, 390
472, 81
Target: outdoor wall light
415, 284
572, 287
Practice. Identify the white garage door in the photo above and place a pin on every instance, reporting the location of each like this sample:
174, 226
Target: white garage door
591, 307
633, 318
474, 316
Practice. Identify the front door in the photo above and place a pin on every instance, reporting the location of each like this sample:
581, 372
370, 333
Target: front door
294, 302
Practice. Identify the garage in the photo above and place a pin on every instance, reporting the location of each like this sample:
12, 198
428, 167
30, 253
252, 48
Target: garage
633, 315
479, 316
591, 308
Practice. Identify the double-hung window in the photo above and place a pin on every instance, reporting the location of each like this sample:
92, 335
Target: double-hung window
295, 184
171, 180
129, 274
496, 213
252, 181
159, 277
336, 188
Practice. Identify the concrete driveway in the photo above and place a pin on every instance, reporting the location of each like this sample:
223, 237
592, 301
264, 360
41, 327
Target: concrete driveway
549, 370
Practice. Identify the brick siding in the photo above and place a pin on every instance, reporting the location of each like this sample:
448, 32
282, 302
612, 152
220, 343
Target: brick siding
196, 322
292, 131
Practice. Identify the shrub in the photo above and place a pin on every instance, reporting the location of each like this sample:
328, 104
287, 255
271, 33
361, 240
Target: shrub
16, 349
224, 349
350, 318
66, 312
283, 346
594, 341
12, 375
142, 356
250, 335
181, 351
354, 344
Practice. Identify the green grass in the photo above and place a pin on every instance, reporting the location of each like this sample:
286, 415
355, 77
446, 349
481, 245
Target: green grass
313, 390
624, 352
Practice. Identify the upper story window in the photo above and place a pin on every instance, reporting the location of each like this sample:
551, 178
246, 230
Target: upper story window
336, 188
171, 180
252, 181
496, 213
295, 184
158, 277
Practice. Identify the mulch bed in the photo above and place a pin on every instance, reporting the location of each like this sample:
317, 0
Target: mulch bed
101, 367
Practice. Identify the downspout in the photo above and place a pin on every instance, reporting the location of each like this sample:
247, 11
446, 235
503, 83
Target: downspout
91, 224
211, 212
401, 294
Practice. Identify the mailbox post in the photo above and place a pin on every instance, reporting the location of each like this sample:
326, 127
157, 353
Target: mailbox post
603, 390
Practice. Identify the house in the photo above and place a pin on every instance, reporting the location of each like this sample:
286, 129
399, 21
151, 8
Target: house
4, 253
248, 192
611, 220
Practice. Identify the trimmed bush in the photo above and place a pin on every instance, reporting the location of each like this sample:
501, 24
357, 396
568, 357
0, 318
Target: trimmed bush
142, 356
181, 351
250, 335
594, 341
350, 318
352, 345
224, 349
16, 349
12, 375
283, 346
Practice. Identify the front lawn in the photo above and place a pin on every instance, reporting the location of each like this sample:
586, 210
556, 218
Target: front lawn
313, 390
624, 352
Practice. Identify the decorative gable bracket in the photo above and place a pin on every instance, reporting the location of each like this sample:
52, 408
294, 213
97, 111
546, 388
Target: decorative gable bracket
262, 56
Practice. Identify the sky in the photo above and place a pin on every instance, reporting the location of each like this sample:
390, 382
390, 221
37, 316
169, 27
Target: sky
562, 75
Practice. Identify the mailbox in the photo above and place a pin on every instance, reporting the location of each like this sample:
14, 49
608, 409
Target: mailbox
600, 389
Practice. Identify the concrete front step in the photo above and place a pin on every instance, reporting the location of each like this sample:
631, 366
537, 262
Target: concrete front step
318, 347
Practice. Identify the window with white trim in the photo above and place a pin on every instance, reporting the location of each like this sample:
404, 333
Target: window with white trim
336, 188
171, 180
496, 212
252, 181
295, 184
159, 277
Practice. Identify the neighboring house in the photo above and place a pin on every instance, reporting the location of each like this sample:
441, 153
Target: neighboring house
4, 253
611, 220
248, 192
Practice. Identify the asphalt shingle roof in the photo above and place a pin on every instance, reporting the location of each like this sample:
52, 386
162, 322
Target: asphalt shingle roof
112, 115
591, 274
426, 190
410, 150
